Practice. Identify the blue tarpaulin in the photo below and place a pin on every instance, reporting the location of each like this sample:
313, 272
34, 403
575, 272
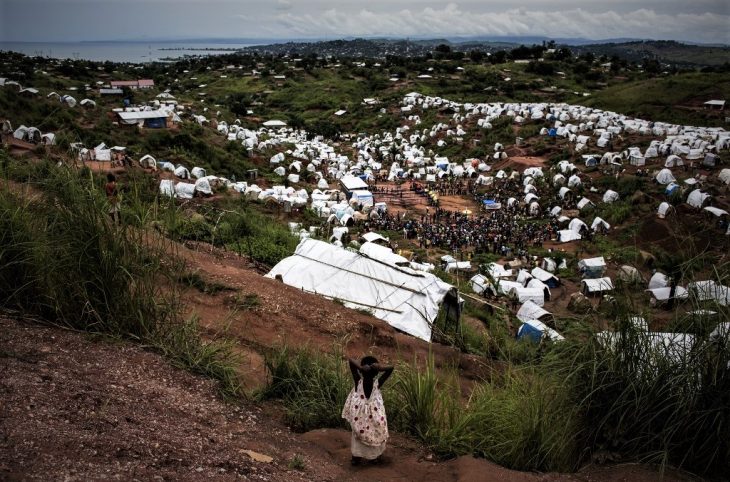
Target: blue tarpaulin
529, 332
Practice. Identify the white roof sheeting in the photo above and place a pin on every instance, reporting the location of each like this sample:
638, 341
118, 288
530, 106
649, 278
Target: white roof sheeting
371, 237
662, 294
541, 274
658, 280
353, 183
724, 175
497, 271
710, 290
146, 114
406, 299
696, 198
665, 177
530, 311
598, 285
716, 211
536, 295
598, 262
480, 283
568, 235
381, 253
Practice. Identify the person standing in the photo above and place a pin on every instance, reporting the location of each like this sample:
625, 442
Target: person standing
112, 195
365, 411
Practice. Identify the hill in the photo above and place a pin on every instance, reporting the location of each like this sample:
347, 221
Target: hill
666, 52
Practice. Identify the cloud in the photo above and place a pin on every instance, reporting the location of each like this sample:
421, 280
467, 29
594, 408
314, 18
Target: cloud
283, 5
451, 20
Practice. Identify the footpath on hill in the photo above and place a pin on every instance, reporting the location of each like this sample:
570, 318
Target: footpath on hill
76, 407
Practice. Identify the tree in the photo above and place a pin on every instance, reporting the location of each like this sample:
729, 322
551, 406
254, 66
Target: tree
442, 48
476, 56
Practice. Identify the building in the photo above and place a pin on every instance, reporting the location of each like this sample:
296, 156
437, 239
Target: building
152, 119
133, 84
715, 104
111, 92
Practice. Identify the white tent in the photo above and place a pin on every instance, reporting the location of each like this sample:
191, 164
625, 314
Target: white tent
710, 290
406, 299
576, 225
203, 185
673, 160
568, 235
584, 202
371, 237
665, 177
597, 285
353, 183
724, 176
182, 172
574, 181
198, 172
663, 294
716, 211
697, 198
274, 123
545, 276
536, 295
530, 311
658, 280
167, 188
184, 190
599, 223
610, 196
663, 209
148, 161
592, 267
480, 283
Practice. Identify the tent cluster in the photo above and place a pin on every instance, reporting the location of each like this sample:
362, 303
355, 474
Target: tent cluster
518, 284
29, 134
101, 153
586, 126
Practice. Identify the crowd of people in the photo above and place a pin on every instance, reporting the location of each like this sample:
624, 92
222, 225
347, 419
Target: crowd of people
503, 232
509, 230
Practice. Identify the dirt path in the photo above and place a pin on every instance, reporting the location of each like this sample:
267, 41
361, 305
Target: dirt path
78, 408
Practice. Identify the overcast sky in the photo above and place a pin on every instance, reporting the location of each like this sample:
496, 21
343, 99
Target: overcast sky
72, 20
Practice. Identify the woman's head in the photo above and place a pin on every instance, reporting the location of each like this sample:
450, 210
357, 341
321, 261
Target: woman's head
110, 177
368, 360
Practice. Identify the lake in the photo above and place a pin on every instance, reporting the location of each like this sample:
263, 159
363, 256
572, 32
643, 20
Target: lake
137, 52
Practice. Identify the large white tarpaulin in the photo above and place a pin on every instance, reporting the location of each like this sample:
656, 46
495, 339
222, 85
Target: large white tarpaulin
406, 299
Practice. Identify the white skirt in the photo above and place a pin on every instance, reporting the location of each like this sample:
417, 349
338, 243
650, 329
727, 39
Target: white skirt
368, 452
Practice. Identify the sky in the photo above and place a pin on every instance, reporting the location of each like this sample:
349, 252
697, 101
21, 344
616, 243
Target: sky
704, 21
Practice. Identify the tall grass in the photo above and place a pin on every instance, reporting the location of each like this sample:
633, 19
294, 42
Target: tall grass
519, 420
64, 261
652, 401
626, 399
312, 386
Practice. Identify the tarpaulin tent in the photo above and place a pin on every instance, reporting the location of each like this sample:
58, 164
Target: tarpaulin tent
406, 299
535, 330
